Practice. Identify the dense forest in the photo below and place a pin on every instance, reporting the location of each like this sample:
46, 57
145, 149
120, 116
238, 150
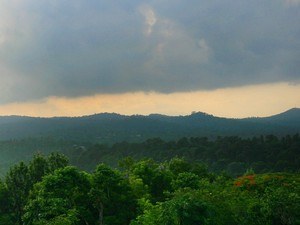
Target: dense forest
48, 191
226, 180
232, 154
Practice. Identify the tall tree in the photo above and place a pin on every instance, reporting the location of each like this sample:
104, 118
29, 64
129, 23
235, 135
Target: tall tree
63, 194
112, 196
18, 184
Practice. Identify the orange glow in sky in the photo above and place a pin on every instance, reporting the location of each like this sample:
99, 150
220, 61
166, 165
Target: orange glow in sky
256, 100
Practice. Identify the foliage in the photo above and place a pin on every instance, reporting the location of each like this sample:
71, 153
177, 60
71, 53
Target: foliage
112, 196
5, 205
60, 193
232, 154
21, 178
185, 208
145, 192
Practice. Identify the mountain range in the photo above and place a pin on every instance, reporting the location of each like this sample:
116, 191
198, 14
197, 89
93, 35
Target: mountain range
112, 127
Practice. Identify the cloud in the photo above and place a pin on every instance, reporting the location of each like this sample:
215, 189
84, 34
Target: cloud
78, 48
293, 2
150, 18
173, 53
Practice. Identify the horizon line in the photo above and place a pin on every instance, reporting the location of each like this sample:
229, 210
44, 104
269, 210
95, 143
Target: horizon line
145, 115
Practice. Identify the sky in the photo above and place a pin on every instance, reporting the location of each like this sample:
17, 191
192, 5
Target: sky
224, 57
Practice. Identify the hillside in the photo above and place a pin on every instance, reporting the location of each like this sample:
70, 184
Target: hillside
111, 127
289, 118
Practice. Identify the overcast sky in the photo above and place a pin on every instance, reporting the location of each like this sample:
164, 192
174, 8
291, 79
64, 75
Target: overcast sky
79, 48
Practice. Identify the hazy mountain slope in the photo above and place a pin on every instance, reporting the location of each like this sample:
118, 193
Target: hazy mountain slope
111, 127
290, 118
68, 135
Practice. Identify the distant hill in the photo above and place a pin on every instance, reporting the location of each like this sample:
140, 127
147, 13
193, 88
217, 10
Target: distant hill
112, 127
88, 140
288, 118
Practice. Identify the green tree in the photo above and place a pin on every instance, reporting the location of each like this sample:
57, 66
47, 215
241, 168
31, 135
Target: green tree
179, 165
56, 161
185, 208
282, 206
186, 179
112, 196
62, 194
156, 176
5, 206
18, 185
37, 168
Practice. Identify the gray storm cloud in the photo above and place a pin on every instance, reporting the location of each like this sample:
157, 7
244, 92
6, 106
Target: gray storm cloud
75, 48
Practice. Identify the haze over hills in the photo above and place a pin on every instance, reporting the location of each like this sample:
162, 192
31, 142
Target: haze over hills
112, 127
288, 118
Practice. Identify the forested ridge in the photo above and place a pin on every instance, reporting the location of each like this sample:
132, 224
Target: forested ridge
48, 191
232, 154
111, 127
197, 180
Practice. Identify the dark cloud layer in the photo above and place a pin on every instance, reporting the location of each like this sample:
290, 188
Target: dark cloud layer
74, 48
